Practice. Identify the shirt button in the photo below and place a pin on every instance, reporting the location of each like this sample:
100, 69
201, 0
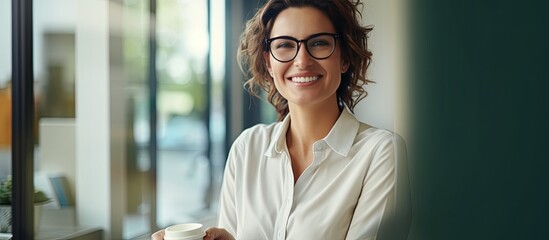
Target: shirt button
279, 234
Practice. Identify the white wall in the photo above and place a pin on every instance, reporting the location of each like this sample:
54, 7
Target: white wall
100, 108
57, 154
92, 126
386, 104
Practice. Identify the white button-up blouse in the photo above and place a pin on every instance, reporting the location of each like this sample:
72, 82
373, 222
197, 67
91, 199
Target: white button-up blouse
355, 188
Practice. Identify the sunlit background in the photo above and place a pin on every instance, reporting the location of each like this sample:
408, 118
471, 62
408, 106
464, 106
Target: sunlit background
460, 81
93, 96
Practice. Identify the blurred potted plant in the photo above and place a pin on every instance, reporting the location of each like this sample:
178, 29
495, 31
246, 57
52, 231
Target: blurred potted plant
5, 205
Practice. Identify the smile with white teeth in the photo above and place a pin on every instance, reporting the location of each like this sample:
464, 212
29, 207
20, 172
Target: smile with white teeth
304, 79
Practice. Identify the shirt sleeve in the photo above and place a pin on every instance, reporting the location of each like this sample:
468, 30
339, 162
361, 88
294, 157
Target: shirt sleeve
227, 200
383, 208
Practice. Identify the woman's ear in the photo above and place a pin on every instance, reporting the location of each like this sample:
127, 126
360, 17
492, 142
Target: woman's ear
268, 62
344, 66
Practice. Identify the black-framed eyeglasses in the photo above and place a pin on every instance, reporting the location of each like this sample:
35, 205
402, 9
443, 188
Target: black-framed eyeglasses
285, 48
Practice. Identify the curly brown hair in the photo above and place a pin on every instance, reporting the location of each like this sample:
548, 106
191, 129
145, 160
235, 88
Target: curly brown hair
344, 15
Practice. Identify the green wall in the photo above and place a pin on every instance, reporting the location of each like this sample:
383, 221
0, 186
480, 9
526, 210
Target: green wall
479, 150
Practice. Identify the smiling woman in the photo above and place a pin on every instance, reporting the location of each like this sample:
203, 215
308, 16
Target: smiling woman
261, 32
317, 173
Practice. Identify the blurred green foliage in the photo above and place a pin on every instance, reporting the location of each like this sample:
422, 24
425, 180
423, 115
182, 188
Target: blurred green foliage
6, 190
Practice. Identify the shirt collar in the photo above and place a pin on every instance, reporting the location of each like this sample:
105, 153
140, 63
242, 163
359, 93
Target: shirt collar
340, 138
343, 133
278, 139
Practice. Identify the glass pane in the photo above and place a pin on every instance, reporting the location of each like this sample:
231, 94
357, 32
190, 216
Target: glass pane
217, 110
183, 163
55, 51
5, 113
54, 93
190, 119
135, 65
5, 89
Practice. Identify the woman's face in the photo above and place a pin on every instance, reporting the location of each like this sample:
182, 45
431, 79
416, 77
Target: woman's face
305, 81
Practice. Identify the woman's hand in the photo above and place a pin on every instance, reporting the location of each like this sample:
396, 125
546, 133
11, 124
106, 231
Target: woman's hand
159, 235
217, 234
211, 234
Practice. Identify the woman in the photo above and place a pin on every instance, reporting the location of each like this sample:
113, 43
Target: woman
318, 173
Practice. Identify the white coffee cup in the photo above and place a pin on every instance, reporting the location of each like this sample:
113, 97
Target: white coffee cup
185, 231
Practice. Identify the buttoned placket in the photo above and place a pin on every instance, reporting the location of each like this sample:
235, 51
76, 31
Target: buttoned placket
294, 191
285, 208
319, 152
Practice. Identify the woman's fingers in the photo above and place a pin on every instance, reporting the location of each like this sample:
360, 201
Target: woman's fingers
159, 235
211, 234
218, 234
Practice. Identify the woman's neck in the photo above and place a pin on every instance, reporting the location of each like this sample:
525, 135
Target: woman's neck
308, 125
311, 123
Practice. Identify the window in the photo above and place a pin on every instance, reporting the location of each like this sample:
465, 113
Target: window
93, 102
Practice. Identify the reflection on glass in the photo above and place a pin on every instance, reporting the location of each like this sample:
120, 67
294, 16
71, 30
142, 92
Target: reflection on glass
190, 116
5, 89
190, 135
135, 59
54, 92
183, 163
5, 109
5, 115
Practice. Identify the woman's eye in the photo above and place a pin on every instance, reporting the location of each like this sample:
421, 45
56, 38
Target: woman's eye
285, 45
320, 43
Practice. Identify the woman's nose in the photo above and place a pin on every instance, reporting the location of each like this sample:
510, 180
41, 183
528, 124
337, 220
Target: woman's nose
303, 59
